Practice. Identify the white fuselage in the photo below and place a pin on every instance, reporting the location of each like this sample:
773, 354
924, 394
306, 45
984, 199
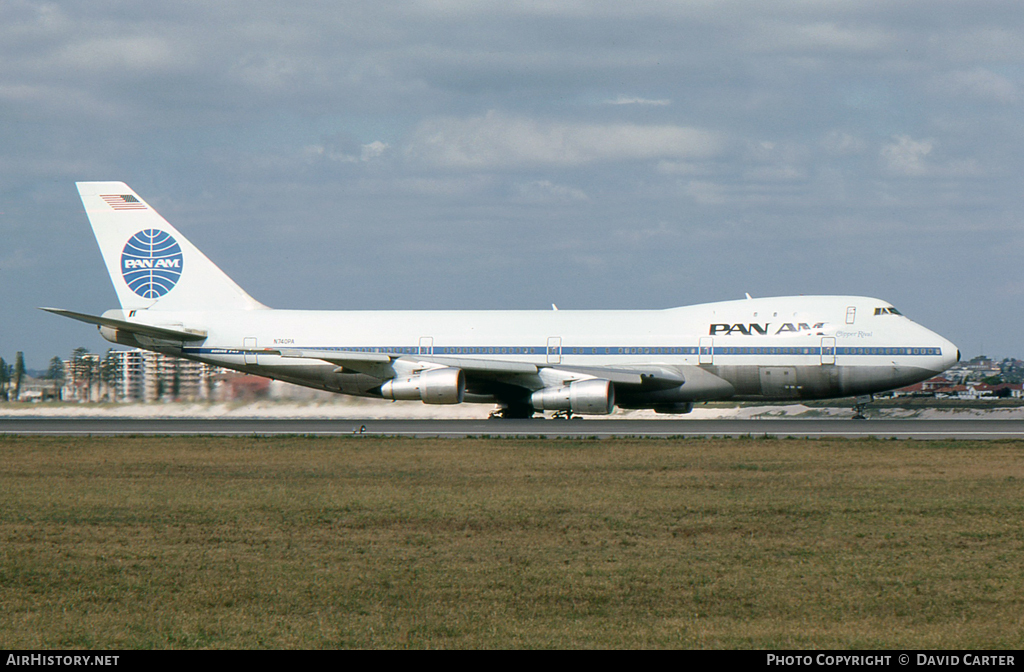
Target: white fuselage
771, 348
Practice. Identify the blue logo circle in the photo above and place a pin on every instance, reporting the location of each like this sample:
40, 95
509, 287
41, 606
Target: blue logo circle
151, 263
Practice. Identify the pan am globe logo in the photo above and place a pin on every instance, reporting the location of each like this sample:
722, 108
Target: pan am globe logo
151, 263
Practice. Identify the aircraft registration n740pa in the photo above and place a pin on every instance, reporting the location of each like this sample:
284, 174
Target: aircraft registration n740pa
174, 300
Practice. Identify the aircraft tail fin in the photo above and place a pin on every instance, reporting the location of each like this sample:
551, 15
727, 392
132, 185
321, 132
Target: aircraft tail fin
150, 263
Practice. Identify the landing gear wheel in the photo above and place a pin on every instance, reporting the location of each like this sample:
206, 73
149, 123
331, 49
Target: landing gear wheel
512, 412
860, 405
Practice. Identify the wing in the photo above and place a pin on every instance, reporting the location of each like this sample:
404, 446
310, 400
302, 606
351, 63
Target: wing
383, 365
502, 378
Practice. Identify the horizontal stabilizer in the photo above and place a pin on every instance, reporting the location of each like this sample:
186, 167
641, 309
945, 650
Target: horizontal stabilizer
133, 327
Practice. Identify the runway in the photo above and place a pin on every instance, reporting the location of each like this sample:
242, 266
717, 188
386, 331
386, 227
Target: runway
779, 428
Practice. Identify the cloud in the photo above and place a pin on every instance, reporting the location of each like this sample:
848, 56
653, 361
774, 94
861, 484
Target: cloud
705, 192
55, 100
986, 43
910, 157
545, 190
840, 143
980, 84
821, 36
906, 156
666, 167
462, 187
121, 54
625, 100
373, 150
340, 151
497, 141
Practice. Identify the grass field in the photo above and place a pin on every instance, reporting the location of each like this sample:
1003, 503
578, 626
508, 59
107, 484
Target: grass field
113, 543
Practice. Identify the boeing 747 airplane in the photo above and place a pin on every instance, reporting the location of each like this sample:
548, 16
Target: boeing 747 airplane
174, 300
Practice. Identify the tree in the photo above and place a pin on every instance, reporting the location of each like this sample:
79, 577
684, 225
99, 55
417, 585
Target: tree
19, 373
55, 372
83, 372
5, 378
110, 373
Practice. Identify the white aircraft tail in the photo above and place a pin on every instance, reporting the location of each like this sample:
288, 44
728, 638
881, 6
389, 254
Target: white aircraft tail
150, 263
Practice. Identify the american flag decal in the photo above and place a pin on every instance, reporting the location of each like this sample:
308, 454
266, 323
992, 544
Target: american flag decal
123, 202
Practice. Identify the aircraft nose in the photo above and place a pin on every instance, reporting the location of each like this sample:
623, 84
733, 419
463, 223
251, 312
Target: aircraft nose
950, 354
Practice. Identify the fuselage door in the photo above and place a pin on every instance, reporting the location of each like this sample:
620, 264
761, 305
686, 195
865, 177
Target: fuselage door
554, 350
779, 382
426, 346
828, 350
851, 314
706, 350
249, 343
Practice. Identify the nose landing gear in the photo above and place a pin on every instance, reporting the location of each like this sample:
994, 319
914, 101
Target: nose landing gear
860, 405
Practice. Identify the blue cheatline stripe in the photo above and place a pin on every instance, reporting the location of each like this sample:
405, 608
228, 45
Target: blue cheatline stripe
725, 351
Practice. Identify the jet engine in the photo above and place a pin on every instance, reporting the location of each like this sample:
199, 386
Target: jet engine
433, 386
586, 397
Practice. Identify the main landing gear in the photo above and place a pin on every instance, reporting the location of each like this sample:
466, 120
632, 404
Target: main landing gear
512, 412
860, 405
526, 412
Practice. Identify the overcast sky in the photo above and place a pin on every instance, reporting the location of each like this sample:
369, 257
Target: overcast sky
468, 154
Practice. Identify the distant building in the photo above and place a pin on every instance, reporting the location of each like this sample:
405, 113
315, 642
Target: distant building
138, 376
923, 389
82, 378
951, 388
152, 376
972, 390
37, 389
243, 387
976, 369
1013, 370
1008, 391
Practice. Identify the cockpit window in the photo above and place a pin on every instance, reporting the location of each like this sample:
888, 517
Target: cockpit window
889, 310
